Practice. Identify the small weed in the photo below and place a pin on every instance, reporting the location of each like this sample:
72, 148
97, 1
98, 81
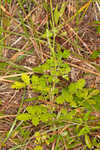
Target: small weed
61, 115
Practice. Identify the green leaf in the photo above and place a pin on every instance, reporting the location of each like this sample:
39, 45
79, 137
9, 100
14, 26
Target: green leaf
31, 99
38, 69
63, 33
67, 95
82, 93
36, 109
97, 102
96, 22
59, 13
35, 80
72, 88
62, 8
46, 6
96, 143
47, 34
65, 54
56, 15
24, 117
65, 133
18, 85
86, 116
35, 120
9, 1
93, 93
84, 131
3, 65
63, 111
95, 54
45, 117
33, 110
60, 100
25, 78
88, 142
98, 29
80, 84
38, 147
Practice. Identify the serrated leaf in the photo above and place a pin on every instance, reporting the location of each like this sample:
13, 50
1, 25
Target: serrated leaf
80, 84
35, 120
93, 93
25, 78
72, 88
18, 85
36, 110
35, 80
82, 93
33, 109
24, 117
45, 117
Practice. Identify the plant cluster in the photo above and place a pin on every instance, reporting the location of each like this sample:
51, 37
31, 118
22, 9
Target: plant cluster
70, 106
65, 111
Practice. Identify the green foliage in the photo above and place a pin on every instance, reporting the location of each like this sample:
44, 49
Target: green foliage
76, 96
36, 113
38, 147
64, 111
95, 54
41, 138
46, 6
9, 1
59, 13
26, 79
98, 29
88, 142
18, 85
24, 117
3, 65
84, 131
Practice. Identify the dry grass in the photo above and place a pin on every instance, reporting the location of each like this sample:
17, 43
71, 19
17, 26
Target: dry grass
21, 48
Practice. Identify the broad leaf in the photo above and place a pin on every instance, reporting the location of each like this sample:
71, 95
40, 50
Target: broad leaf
18, 85
24, 117
25, 78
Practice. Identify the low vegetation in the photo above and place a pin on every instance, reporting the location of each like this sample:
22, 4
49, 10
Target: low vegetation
57, 107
